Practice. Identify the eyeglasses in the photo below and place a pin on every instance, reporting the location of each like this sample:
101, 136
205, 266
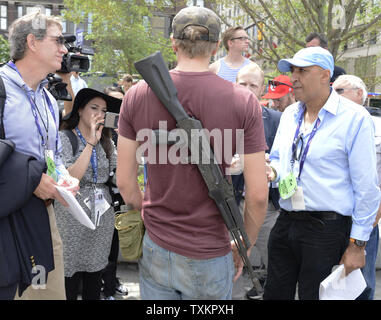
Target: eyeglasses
341, 90
295, 155
240, 38
59, 39
278, 83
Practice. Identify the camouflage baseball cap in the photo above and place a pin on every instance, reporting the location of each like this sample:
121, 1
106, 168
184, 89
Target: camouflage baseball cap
197, 16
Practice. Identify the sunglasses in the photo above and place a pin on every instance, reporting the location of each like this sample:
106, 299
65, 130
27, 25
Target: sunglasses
240, 38
59, 39
341, 90
278, 83
295, 155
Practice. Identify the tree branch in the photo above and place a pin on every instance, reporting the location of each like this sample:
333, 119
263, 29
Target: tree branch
350, 13
223, 18
329, 20
266, 39
361, 28
295, 15
281, 28
311, 14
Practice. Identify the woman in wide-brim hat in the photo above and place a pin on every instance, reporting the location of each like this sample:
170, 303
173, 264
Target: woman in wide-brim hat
86, 251
83, 97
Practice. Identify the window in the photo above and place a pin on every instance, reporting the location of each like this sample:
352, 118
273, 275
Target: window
3, 17
48, 11
19, 11
146, 22
30, 10
64, 24
89, 23
373, 37
198, 3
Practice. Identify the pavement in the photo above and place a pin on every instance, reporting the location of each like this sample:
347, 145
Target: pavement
128, 273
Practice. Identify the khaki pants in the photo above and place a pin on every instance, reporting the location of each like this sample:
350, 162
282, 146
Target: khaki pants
55, 286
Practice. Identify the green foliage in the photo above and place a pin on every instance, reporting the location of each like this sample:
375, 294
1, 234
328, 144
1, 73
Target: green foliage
141, 177
4, 50
120, 36
286, 23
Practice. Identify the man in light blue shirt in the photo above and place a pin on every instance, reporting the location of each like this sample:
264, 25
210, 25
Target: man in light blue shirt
31, 121
324, 161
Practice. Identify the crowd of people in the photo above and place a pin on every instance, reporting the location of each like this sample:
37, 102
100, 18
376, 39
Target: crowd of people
307, 186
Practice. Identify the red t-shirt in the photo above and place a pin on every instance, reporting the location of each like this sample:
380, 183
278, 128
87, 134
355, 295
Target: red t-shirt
178, 213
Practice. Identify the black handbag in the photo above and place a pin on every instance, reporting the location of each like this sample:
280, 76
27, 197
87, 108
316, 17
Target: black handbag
6, 146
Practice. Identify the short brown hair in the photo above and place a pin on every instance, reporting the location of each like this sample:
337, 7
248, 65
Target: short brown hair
193, 46
229, 34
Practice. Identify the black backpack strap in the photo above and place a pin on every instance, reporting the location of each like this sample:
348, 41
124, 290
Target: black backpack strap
3, 96
73, 140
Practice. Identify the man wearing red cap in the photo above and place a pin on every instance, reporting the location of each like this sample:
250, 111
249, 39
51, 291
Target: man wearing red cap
280, 91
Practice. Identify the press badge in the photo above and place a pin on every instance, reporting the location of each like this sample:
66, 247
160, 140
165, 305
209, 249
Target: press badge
51, 166
287, 186
100, 205
297, 199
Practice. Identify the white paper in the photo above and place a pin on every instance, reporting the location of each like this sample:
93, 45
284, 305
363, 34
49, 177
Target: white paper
75, 208
297, 199
338, 287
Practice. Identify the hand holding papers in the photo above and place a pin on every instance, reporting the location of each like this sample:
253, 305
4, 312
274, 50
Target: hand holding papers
75, 208
337, 286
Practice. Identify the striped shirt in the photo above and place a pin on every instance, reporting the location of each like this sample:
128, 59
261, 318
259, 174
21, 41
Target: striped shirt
228, 73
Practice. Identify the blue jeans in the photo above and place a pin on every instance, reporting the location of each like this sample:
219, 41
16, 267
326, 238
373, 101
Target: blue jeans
369, 270
165, 275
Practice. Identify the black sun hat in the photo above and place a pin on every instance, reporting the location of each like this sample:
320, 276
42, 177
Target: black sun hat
86, 94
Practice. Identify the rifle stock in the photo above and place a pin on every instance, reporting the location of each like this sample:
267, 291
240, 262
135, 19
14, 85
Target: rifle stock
155, 73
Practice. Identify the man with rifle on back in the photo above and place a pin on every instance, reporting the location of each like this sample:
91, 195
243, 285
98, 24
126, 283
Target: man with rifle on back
186, 250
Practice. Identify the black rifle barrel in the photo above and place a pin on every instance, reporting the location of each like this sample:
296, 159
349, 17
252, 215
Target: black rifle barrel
156, 74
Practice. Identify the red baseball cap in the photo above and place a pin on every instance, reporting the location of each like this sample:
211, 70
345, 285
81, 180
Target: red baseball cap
276, 91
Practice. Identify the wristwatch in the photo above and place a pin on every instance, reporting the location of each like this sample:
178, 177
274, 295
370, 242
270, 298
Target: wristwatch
359, 243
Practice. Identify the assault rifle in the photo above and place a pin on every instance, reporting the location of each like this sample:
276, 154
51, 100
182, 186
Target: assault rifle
155, 73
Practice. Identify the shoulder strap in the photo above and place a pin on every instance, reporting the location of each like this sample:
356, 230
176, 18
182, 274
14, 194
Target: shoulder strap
3, 96
73, 140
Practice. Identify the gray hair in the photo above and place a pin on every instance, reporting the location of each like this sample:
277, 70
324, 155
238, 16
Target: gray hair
35, 23
355, 82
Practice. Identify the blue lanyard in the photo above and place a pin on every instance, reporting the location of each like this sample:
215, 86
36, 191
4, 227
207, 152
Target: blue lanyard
93, 159
305, 151
35, 110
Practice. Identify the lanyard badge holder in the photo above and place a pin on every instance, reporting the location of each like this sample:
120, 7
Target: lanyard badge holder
48, 154
96, 203
288, 186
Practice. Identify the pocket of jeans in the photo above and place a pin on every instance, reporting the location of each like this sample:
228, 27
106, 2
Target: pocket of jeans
213, 278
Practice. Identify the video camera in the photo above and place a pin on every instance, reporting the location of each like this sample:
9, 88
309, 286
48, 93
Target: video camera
72, 61
58, 88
